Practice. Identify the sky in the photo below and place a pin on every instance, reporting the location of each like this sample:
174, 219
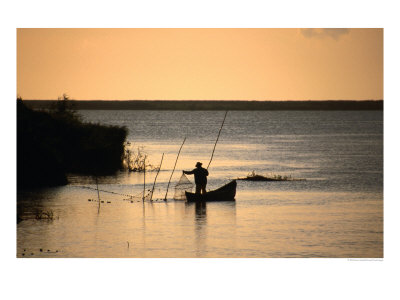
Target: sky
200, 64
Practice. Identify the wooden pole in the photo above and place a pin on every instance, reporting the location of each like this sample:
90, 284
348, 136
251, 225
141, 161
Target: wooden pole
144, 178
154, 184
165, 198
98, 195
217, 139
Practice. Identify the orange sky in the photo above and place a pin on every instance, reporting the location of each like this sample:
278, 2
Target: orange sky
200, 64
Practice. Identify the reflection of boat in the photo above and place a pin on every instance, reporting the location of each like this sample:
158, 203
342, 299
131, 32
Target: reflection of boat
224, 193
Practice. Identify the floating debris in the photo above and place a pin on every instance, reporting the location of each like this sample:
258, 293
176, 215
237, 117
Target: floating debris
42, 251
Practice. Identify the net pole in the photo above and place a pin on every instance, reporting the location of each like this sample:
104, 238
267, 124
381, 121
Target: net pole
165, 198
215, 145
98, 194
144, 178
155, 179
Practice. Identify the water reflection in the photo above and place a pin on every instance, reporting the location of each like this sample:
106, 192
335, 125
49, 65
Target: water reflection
201, 211
213, 227
248, 228
122, 228
29, 203
200, 229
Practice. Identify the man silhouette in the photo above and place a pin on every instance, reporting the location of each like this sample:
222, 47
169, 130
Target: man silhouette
200, 178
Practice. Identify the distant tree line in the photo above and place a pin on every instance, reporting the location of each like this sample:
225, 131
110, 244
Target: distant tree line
212, 105
55, 142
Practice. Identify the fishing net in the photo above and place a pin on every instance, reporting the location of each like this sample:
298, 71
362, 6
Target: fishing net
183, 185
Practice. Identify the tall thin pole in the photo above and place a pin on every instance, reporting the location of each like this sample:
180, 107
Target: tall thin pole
154, 184
165, 198
144, 178
217, 139
98, 195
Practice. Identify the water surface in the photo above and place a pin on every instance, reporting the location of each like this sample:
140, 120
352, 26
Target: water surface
337, 211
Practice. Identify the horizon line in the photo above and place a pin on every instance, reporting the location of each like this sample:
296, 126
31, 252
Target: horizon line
288, 100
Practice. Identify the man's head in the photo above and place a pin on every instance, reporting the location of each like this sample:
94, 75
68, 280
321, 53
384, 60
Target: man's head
198, 165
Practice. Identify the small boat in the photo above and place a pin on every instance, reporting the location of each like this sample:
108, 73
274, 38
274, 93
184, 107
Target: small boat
224, 193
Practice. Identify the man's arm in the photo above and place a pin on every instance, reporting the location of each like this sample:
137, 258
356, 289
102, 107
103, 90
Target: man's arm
188, 172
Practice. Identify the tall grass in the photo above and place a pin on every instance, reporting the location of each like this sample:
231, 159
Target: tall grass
136, 159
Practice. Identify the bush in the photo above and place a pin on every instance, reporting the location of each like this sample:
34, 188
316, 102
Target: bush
53, 143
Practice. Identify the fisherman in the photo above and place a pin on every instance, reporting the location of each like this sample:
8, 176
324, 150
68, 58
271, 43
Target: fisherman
200, 178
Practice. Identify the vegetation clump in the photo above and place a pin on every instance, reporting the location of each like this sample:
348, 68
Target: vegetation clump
54, 142
136, 160
44, 215
273, 177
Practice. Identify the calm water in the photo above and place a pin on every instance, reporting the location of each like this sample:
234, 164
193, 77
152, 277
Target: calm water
336, 212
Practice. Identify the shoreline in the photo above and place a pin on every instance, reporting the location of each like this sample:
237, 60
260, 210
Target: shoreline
212, 105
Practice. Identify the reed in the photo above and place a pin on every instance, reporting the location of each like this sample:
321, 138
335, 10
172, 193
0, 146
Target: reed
135, 159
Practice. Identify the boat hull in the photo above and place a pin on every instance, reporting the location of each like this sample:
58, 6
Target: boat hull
224, 193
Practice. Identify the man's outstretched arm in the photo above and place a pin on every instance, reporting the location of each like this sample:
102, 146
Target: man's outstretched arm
188, 172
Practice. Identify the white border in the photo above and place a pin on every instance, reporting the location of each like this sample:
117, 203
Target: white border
203, 278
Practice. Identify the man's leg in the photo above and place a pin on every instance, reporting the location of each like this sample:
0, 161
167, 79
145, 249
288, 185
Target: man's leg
198, 188
203, 189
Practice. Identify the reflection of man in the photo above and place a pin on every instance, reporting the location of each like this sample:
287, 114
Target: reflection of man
200, 178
